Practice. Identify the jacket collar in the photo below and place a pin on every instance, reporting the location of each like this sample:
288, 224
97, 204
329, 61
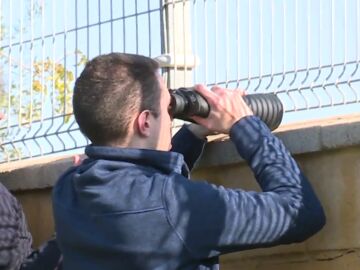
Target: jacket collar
166, 161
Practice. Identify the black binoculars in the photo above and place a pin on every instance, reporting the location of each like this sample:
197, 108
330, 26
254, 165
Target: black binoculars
186, 102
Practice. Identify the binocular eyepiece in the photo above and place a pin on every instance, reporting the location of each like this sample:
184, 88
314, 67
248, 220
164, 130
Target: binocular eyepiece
186, 102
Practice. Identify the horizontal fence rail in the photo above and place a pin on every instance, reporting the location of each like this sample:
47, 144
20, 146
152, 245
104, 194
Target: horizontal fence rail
307, 52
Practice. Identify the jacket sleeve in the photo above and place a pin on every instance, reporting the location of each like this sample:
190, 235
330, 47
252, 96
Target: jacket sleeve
212, 220
48, 256
187, 144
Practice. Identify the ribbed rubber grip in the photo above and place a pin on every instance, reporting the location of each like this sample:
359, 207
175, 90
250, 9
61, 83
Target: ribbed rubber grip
267, 107
186, 102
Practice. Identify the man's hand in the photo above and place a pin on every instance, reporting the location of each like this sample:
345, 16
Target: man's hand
226, 108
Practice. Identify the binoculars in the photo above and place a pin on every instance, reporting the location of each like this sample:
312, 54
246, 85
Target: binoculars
186, 102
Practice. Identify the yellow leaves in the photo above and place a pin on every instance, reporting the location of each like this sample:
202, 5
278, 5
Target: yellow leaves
83, 59
46, 86
59, 69
48, 74
69, 76
59, 85
37, 87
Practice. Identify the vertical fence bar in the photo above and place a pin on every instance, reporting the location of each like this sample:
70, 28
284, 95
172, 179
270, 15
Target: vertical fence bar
216, 42
295, 46
1, 69
111, 27
206, 47
238, 50
308, 44
344, 101
174, 42
99, 26
320, 57
149, 27
356, 97
272, 62
31, 61
53, 67
357, 29
42, 7
249, 46
76, 38
65, 60
284, 42
21, 62
309, 41
358, 43
9, 68
124, 26
87, 30
195, 34
332, 45
184, 40
1, 23
53, 28
22, 120
163, 33
261, 37
137, 26
226, 46
344, 60
295, 55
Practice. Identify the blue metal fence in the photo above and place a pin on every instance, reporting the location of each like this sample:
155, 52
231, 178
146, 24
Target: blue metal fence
305, 51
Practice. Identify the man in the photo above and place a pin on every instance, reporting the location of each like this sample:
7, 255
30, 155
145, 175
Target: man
130, 204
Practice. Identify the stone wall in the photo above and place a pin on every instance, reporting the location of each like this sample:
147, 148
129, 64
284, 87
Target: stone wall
329, 153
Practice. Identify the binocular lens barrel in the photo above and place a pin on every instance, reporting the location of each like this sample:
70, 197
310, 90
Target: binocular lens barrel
186, 102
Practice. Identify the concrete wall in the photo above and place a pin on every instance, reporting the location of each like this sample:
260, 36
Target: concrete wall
329, 153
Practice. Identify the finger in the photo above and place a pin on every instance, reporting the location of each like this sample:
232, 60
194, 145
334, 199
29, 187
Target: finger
76, 160
208, 95
218, 90
199, 120
241, 91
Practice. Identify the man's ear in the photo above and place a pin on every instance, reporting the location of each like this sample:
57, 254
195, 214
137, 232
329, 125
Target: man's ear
143, 123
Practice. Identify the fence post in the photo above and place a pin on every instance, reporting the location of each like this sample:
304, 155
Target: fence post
178, 57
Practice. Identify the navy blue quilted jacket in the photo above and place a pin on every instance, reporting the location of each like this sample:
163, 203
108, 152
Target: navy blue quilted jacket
137, 209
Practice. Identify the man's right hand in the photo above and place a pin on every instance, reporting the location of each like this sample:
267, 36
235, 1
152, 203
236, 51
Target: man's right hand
226, 108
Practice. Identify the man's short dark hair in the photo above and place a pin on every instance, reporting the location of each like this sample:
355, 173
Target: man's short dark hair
110, 90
